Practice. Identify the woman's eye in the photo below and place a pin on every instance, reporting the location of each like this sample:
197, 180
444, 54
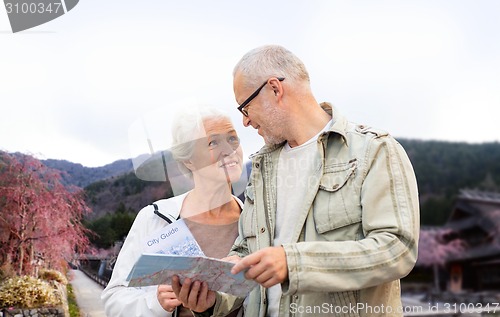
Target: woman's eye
213, 143
233, 139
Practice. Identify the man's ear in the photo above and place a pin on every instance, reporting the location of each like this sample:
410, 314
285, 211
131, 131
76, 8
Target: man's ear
276, 86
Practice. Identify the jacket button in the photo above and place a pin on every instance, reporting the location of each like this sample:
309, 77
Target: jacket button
257, 165
262, 230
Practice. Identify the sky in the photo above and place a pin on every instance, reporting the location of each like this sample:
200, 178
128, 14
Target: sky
91, 86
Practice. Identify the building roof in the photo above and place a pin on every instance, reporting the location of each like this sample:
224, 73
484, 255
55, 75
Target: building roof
479, 196
476, 220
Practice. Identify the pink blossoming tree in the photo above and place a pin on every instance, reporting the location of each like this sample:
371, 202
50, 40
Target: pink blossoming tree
434, 249
40, 218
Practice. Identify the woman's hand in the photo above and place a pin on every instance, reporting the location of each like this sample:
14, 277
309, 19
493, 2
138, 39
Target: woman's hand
166, 298
194, 295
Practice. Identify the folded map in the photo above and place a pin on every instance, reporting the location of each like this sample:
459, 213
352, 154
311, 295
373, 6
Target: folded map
156, 269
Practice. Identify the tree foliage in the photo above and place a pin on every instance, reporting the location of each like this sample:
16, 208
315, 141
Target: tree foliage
40, 219
444, 168
111, 227
107, 195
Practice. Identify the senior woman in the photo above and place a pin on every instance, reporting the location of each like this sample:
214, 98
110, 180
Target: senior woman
206, 147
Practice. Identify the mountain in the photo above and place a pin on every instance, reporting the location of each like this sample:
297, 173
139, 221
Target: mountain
442, 169
115, 193
81, 176
126, 192
111, 187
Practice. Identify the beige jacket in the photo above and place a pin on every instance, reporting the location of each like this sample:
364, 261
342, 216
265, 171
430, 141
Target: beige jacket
357, 234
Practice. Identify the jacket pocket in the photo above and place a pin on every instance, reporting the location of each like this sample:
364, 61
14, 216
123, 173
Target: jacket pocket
248, 219
336, 204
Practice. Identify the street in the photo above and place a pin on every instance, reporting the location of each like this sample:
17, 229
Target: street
88, 294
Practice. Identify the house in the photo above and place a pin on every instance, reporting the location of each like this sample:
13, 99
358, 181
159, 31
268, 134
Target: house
475, 220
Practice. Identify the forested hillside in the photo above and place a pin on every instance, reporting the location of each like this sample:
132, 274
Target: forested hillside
115, 203
81, 176
443, 168
127, 190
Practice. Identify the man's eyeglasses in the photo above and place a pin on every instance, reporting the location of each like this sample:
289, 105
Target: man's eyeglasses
245, 103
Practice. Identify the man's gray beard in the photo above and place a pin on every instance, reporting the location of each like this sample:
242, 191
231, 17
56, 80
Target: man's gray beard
273, 140
275, 119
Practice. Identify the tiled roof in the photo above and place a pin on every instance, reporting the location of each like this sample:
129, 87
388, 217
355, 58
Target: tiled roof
470, 194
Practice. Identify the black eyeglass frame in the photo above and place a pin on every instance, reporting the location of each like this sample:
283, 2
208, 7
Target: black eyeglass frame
245, 103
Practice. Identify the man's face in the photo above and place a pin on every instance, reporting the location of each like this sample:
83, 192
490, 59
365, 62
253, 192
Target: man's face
263, 113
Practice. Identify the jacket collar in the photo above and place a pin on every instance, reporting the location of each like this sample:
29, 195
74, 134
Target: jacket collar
339, 125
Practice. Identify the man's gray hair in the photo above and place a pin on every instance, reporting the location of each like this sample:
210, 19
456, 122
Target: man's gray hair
186, 128
268, 61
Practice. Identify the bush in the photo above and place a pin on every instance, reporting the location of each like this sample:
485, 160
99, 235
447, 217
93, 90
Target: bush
52, 275
27, 292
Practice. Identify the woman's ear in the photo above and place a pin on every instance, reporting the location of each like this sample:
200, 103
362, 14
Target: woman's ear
188, 165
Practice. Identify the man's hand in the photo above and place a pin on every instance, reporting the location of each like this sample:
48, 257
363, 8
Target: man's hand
193, 294
166, 297
267, 266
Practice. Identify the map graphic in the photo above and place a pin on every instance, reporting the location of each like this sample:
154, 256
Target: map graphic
155, 269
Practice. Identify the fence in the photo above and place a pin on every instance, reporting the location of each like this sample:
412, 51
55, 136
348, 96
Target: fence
96, 270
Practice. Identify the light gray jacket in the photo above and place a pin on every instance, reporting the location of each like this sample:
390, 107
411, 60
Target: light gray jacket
357, 234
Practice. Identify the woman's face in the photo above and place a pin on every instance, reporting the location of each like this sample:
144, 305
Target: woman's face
217, 155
